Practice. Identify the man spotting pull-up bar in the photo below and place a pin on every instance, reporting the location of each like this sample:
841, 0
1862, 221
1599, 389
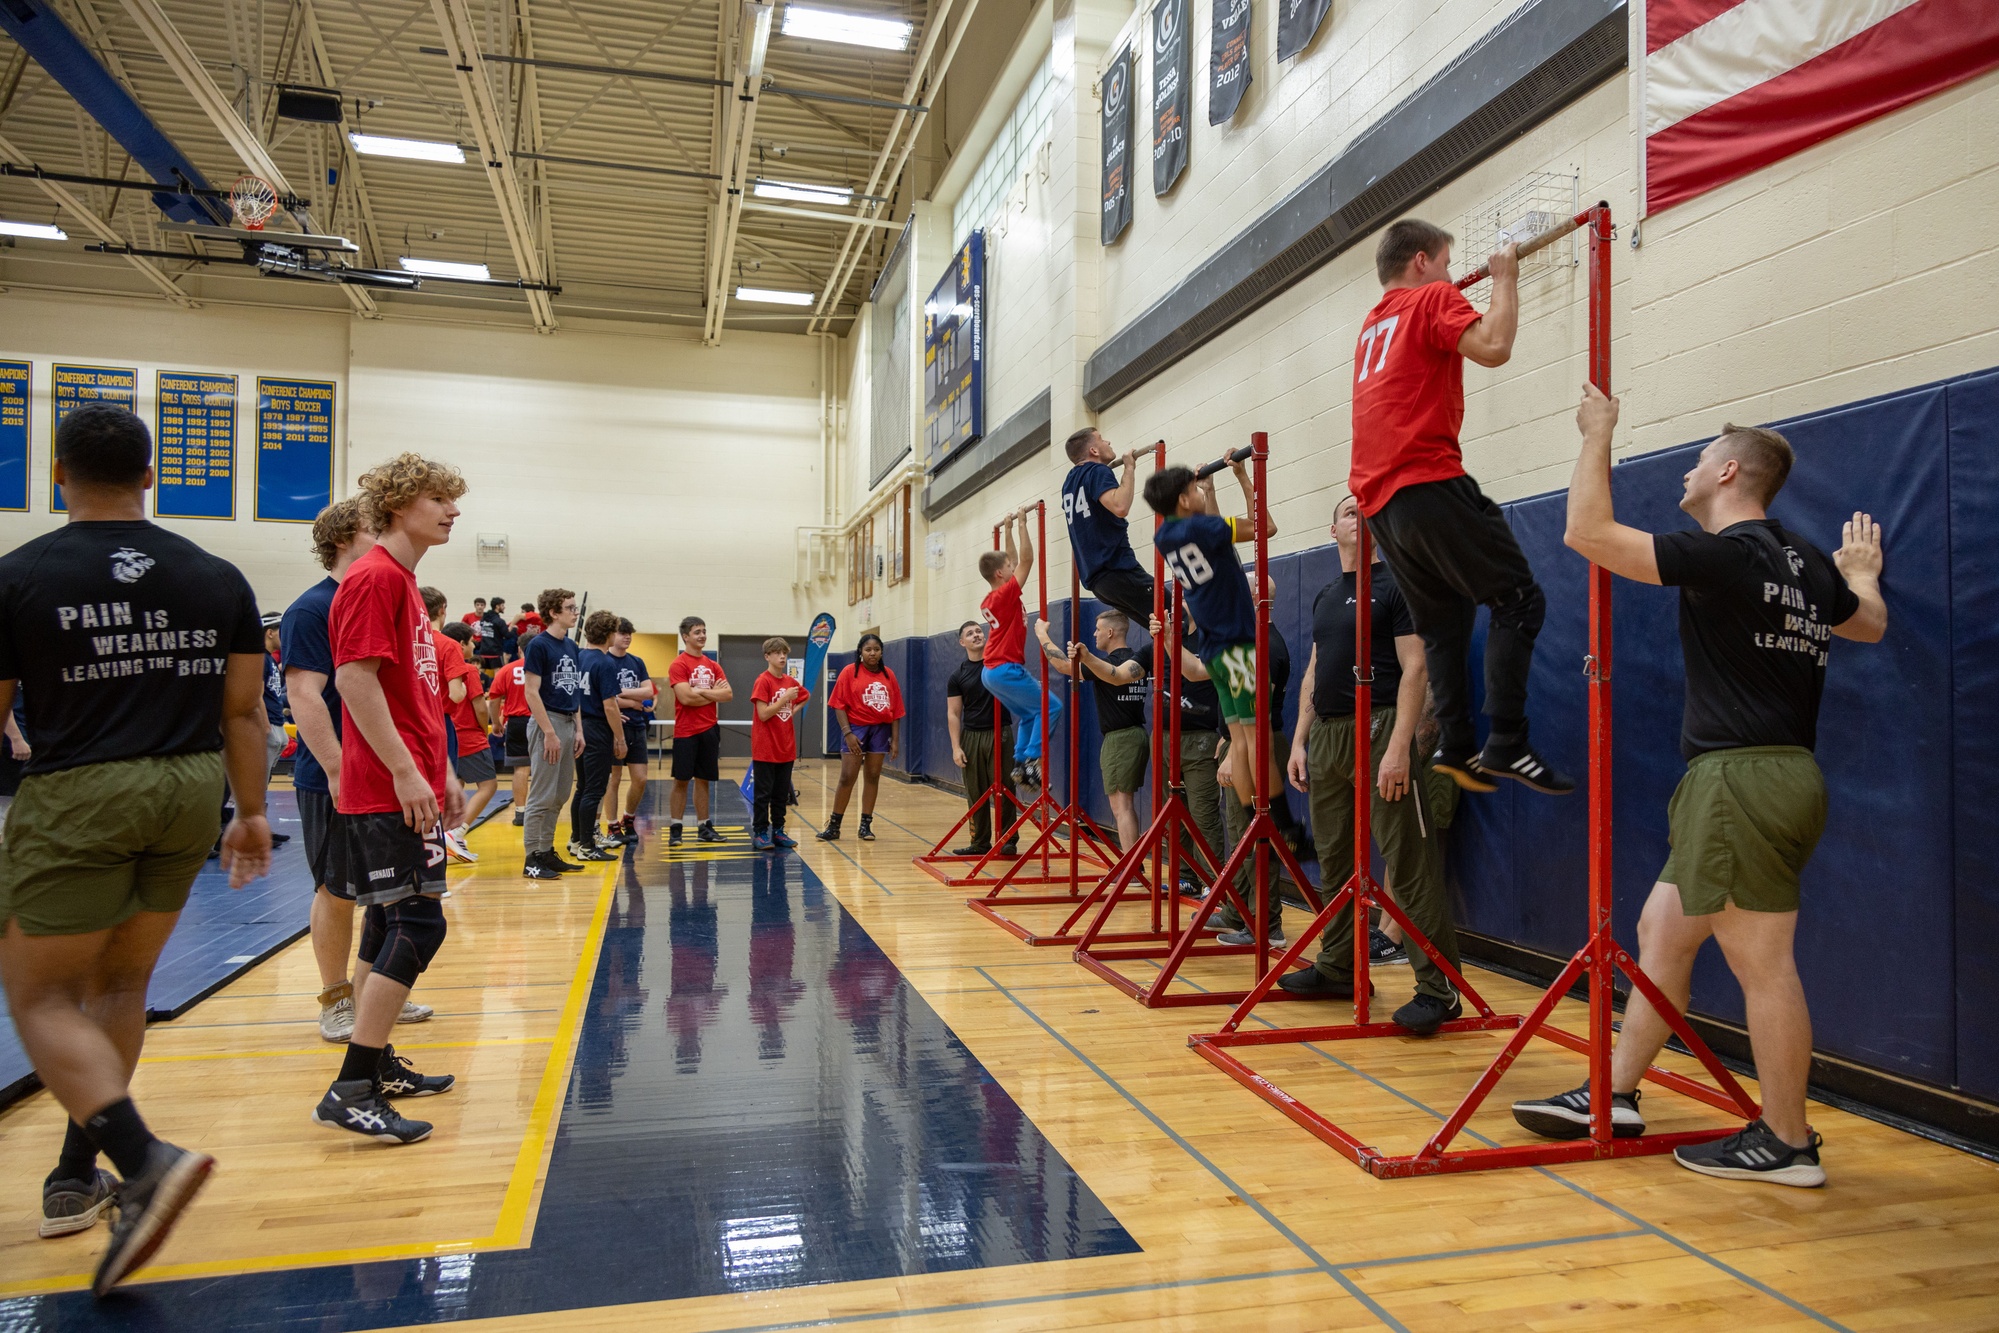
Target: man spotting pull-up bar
1449, 546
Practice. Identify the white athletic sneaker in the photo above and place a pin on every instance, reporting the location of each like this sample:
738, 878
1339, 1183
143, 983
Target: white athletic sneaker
336, 1019
454, 842
412, 1013
608, 843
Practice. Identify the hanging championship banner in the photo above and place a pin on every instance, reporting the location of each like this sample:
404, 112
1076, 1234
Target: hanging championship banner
1169, 93
1117, 148
1298, 23
1228, 59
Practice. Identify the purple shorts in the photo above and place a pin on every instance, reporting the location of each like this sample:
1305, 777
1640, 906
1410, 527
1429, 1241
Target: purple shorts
874, 737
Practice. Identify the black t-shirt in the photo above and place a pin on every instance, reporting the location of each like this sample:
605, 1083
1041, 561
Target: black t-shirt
1332, 634
1120, 706
1200, 706
969, 684
493, 634
121, 633
1757, 607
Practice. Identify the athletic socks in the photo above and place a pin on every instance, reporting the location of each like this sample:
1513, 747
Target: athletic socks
122, 1136
361, 1062
79, 1155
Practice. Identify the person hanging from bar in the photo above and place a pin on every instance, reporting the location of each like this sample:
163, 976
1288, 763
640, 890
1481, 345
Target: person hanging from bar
1449, 545
1095, 505
1006, 677
1322, 764
1759, 606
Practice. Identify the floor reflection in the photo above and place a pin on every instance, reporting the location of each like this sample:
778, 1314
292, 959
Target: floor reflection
791, 1113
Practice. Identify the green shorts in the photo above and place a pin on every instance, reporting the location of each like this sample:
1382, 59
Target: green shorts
1123, 757
1743, 823
1233, 673
87, 848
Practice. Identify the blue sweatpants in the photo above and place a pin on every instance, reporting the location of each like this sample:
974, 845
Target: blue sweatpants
1021, 693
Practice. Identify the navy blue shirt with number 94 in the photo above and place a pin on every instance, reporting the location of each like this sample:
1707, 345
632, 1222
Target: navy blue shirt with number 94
1097, 536
1200, 554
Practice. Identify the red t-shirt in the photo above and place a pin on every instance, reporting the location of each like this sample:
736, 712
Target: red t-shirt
451, 665
870, 697
773, 739
511, 688
528, 618
471, 617
1006, 624
703, 673
377, 613
1408, 392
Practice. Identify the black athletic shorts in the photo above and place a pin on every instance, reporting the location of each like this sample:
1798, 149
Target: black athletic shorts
698, 756
1129, 590
638, 737
517, 741
378, 859
315, 817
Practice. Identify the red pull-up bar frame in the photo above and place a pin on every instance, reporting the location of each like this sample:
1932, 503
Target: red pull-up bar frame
1599, 958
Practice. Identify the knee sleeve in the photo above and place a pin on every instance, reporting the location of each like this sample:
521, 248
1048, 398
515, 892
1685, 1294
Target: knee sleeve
1522, 609
415, 932
374, 929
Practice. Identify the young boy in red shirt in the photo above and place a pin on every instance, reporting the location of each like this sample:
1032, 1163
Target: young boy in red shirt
1448, 545
473, 762
396, 796
1005, 676
698, 685
776, 697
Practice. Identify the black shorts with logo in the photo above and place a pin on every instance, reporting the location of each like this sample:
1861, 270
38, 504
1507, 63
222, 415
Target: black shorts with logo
698, 756
377, 859
315, 817
516, 746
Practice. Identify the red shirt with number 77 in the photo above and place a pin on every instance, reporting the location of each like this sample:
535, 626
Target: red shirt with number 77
1408, 392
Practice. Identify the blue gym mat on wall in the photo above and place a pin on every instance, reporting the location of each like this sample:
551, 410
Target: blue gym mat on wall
1899, 940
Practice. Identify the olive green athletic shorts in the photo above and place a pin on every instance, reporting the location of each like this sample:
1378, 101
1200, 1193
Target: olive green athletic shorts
1743, 823
1123, 757
87, 848
1233, 673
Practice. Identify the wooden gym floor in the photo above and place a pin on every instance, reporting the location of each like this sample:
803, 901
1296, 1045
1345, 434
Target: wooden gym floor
841, 1025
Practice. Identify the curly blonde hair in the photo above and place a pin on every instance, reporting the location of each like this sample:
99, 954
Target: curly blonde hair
391, 487
337, 525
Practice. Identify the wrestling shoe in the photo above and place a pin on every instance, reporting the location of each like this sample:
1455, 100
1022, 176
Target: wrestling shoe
1517, 760
610, 840
831, 833
520, 818
866, 831
415, 1013
1755, 1153
148, 1206
1566, 1116
708, 832
358, 1106
537, 867
673, 836
397, 1077
70, 1206
336, 1012
454, 843
1426, 1013
578, 852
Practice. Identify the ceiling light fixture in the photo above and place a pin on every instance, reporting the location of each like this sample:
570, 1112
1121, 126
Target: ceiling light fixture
444, 268
773, 296
757, 14
830, 25
838, 195
40, 231
419, 150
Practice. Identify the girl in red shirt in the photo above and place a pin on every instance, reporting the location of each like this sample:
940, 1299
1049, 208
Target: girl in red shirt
867, 701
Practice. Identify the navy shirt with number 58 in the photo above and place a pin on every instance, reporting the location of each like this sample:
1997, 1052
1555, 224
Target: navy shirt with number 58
1097, 536
1200, 554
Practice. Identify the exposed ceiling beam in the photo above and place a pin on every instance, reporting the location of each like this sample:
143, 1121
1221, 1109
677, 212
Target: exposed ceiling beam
528, 136
579, 67
180, 58
103, 231
842, 219
350, 161
752, 44
489, 130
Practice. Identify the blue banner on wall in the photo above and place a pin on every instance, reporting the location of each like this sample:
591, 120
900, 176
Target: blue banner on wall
294, 449
14, 382
194, 445
70, 388
954, 354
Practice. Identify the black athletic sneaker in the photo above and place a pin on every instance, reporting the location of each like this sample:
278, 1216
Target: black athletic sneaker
579, 852
866, 831
280, 839
1517, 760
148, 1206
970, 851
673, 836
708, 833
538, 868
397, 1077
1755, 1153
1462, 764
1426, 1013
520, 818
561, 866
1317, 985
1567, 1116
358, 1106
1243, 935
70, 1206
831, 833
1382, 950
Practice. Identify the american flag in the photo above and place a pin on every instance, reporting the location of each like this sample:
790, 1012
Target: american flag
1730, 86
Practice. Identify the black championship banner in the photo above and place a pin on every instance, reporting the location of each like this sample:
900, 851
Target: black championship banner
1228, 59
1170, 93
1297, 23
1117, 148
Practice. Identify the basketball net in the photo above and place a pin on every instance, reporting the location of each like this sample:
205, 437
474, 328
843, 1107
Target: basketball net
253, 200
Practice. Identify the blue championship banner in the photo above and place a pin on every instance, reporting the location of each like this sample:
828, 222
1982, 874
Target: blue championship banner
70, 387
954, 358
14, 379
294, 449
194, 445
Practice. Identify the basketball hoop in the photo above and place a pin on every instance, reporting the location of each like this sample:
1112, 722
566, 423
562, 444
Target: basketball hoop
253, 200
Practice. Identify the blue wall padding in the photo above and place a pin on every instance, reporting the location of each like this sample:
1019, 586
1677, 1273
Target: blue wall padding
1898, 941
